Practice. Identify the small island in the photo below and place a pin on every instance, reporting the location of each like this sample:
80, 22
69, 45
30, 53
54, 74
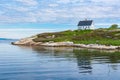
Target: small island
103, 38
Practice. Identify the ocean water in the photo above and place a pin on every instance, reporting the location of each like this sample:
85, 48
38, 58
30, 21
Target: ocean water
48, 63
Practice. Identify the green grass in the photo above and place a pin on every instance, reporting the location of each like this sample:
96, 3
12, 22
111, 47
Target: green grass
103, 42
99, 36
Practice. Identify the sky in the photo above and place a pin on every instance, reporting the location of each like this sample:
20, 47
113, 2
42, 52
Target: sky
23, 18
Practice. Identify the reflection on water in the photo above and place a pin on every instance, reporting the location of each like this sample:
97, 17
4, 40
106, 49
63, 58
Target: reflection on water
57, 63
85, 58
83, 61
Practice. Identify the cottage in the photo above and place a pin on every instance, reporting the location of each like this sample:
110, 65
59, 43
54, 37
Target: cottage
86, 24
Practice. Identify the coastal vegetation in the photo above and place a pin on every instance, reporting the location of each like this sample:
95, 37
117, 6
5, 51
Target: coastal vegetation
114, 26
106, 36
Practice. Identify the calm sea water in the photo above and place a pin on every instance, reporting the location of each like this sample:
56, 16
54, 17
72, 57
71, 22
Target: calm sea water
44, 63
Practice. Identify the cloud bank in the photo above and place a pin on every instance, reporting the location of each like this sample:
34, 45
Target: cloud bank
57, 11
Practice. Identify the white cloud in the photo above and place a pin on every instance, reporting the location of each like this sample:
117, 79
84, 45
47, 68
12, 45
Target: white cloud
16, 8
28, 2
53, 5
94, 12
58, 11
69, 1
106, 1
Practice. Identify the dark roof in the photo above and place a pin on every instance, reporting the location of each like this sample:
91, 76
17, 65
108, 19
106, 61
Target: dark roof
85, 23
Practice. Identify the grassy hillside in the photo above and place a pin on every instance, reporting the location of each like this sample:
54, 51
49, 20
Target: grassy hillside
98, 36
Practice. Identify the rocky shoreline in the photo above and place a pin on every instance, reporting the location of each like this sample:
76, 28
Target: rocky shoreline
30, 42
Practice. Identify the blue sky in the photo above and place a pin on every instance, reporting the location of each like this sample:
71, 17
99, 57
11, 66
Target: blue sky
18, 17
